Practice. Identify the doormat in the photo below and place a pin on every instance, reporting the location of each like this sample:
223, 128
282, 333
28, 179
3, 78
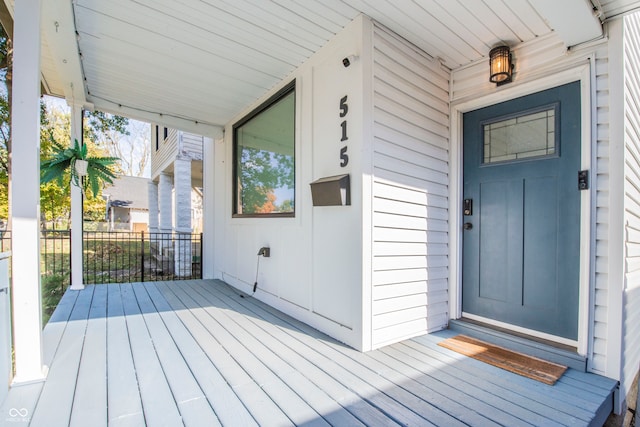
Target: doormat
518, 363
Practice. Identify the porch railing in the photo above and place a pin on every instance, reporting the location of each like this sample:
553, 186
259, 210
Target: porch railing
116, 257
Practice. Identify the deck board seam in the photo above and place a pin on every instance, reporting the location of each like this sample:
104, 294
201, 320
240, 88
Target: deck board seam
291, 370
158, 331
209, 367
381, 405
250, 369
235, 387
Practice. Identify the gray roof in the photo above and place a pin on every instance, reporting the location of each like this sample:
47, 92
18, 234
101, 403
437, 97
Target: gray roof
128, 192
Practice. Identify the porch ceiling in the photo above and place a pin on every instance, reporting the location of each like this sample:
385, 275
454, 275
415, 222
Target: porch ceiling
203, 61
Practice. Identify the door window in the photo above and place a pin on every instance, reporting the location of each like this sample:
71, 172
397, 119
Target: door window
527, 135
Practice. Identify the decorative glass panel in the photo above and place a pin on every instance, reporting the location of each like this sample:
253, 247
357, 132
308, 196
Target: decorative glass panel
529, 135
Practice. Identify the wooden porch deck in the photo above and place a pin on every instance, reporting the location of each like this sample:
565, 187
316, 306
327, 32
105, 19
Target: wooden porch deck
195, 353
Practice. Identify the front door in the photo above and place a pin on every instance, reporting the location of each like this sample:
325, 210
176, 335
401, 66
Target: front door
521, 244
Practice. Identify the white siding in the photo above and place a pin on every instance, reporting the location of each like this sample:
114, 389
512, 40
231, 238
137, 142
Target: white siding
631, 299
599, 321
534, 61
191, 145
164, 156
410, 206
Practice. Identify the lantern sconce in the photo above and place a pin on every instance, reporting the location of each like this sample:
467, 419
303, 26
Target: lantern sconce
500, 66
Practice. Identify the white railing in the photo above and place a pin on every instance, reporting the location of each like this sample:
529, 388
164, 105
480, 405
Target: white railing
5, 326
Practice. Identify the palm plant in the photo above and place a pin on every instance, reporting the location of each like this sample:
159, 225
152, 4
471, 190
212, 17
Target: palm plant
75, 160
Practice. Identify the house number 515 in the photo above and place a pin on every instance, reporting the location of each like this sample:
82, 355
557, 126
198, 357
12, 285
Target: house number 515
344, 110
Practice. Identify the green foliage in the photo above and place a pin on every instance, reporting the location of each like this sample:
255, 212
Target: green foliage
261, 172
62, 164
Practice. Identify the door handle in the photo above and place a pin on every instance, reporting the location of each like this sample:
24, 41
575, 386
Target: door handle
467, 226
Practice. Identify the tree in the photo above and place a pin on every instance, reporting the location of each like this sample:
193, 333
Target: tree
6, 72
262, 173
108, 131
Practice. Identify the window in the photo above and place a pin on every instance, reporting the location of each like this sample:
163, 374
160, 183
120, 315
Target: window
166, 133
157, 139
264, 158
531, 134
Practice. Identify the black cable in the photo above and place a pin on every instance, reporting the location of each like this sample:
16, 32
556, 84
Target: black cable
255, 284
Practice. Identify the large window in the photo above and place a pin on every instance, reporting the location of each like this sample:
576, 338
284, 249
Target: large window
264, 158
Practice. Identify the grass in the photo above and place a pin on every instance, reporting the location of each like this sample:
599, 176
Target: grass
107, 258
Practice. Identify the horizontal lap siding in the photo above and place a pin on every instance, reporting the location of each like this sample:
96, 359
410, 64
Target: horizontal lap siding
192, 145
164, 156
631, 338
410, 191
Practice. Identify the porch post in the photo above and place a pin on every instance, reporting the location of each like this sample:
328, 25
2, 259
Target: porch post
208, 208
182, 206
76, 209
25, 209
153, 207
165, 187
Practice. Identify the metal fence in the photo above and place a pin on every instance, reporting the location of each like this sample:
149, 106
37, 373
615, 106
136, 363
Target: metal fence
117, 257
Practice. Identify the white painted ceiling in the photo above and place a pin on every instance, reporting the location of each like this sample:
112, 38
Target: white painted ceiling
182, 62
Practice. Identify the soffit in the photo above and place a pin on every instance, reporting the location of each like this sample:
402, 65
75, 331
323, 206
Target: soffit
178, 62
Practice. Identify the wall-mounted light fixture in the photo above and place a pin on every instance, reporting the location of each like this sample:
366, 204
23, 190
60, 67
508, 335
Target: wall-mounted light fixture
500, 65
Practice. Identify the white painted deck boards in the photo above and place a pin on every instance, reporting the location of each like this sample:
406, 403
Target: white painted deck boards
195, 353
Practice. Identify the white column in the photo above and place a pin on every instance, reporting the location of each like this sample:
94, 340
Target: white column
153, 207
165, 249
182, 247
25, 209
165, 188
182, 185
208, 209
76, 208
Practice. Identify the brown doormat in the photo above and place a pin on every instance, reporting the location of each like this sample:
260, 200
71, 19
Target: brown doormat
518, 363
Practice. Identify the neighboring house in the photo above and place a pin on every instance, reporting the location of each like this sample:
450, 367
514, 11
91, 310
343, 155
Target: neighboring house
175, 188
127, 204
175, 193
398, 189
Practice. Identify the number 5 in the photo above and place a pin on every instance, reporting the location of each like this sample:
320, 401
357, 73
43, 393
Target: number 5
344, 158
344, 108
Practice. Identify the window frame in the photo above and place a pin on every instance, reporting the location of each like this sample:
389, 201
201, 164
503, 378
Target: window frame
288, 89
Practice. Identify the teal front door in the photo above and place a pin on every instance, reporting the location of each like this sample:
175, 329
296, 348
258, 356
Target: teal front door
521, 237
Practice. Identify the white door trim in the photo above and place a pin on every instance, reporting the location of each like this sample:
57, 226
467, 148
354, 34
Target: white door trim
580, 73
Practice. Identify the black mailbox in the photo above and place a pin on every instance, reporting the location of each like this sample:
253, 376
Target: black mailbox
331, 191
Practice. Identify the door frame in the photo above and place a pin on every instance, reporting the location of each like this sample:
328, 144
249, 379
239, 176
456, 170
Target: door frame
585, 74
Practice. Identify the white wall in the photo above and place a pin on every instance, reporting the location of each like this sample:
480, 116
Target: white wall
315, 269
410, 189
538, 62
631, 291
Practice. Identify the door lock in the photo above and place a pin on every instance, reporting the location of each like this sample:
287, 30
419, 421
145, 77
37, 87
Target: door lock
467, 226
467, 207
583, 180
